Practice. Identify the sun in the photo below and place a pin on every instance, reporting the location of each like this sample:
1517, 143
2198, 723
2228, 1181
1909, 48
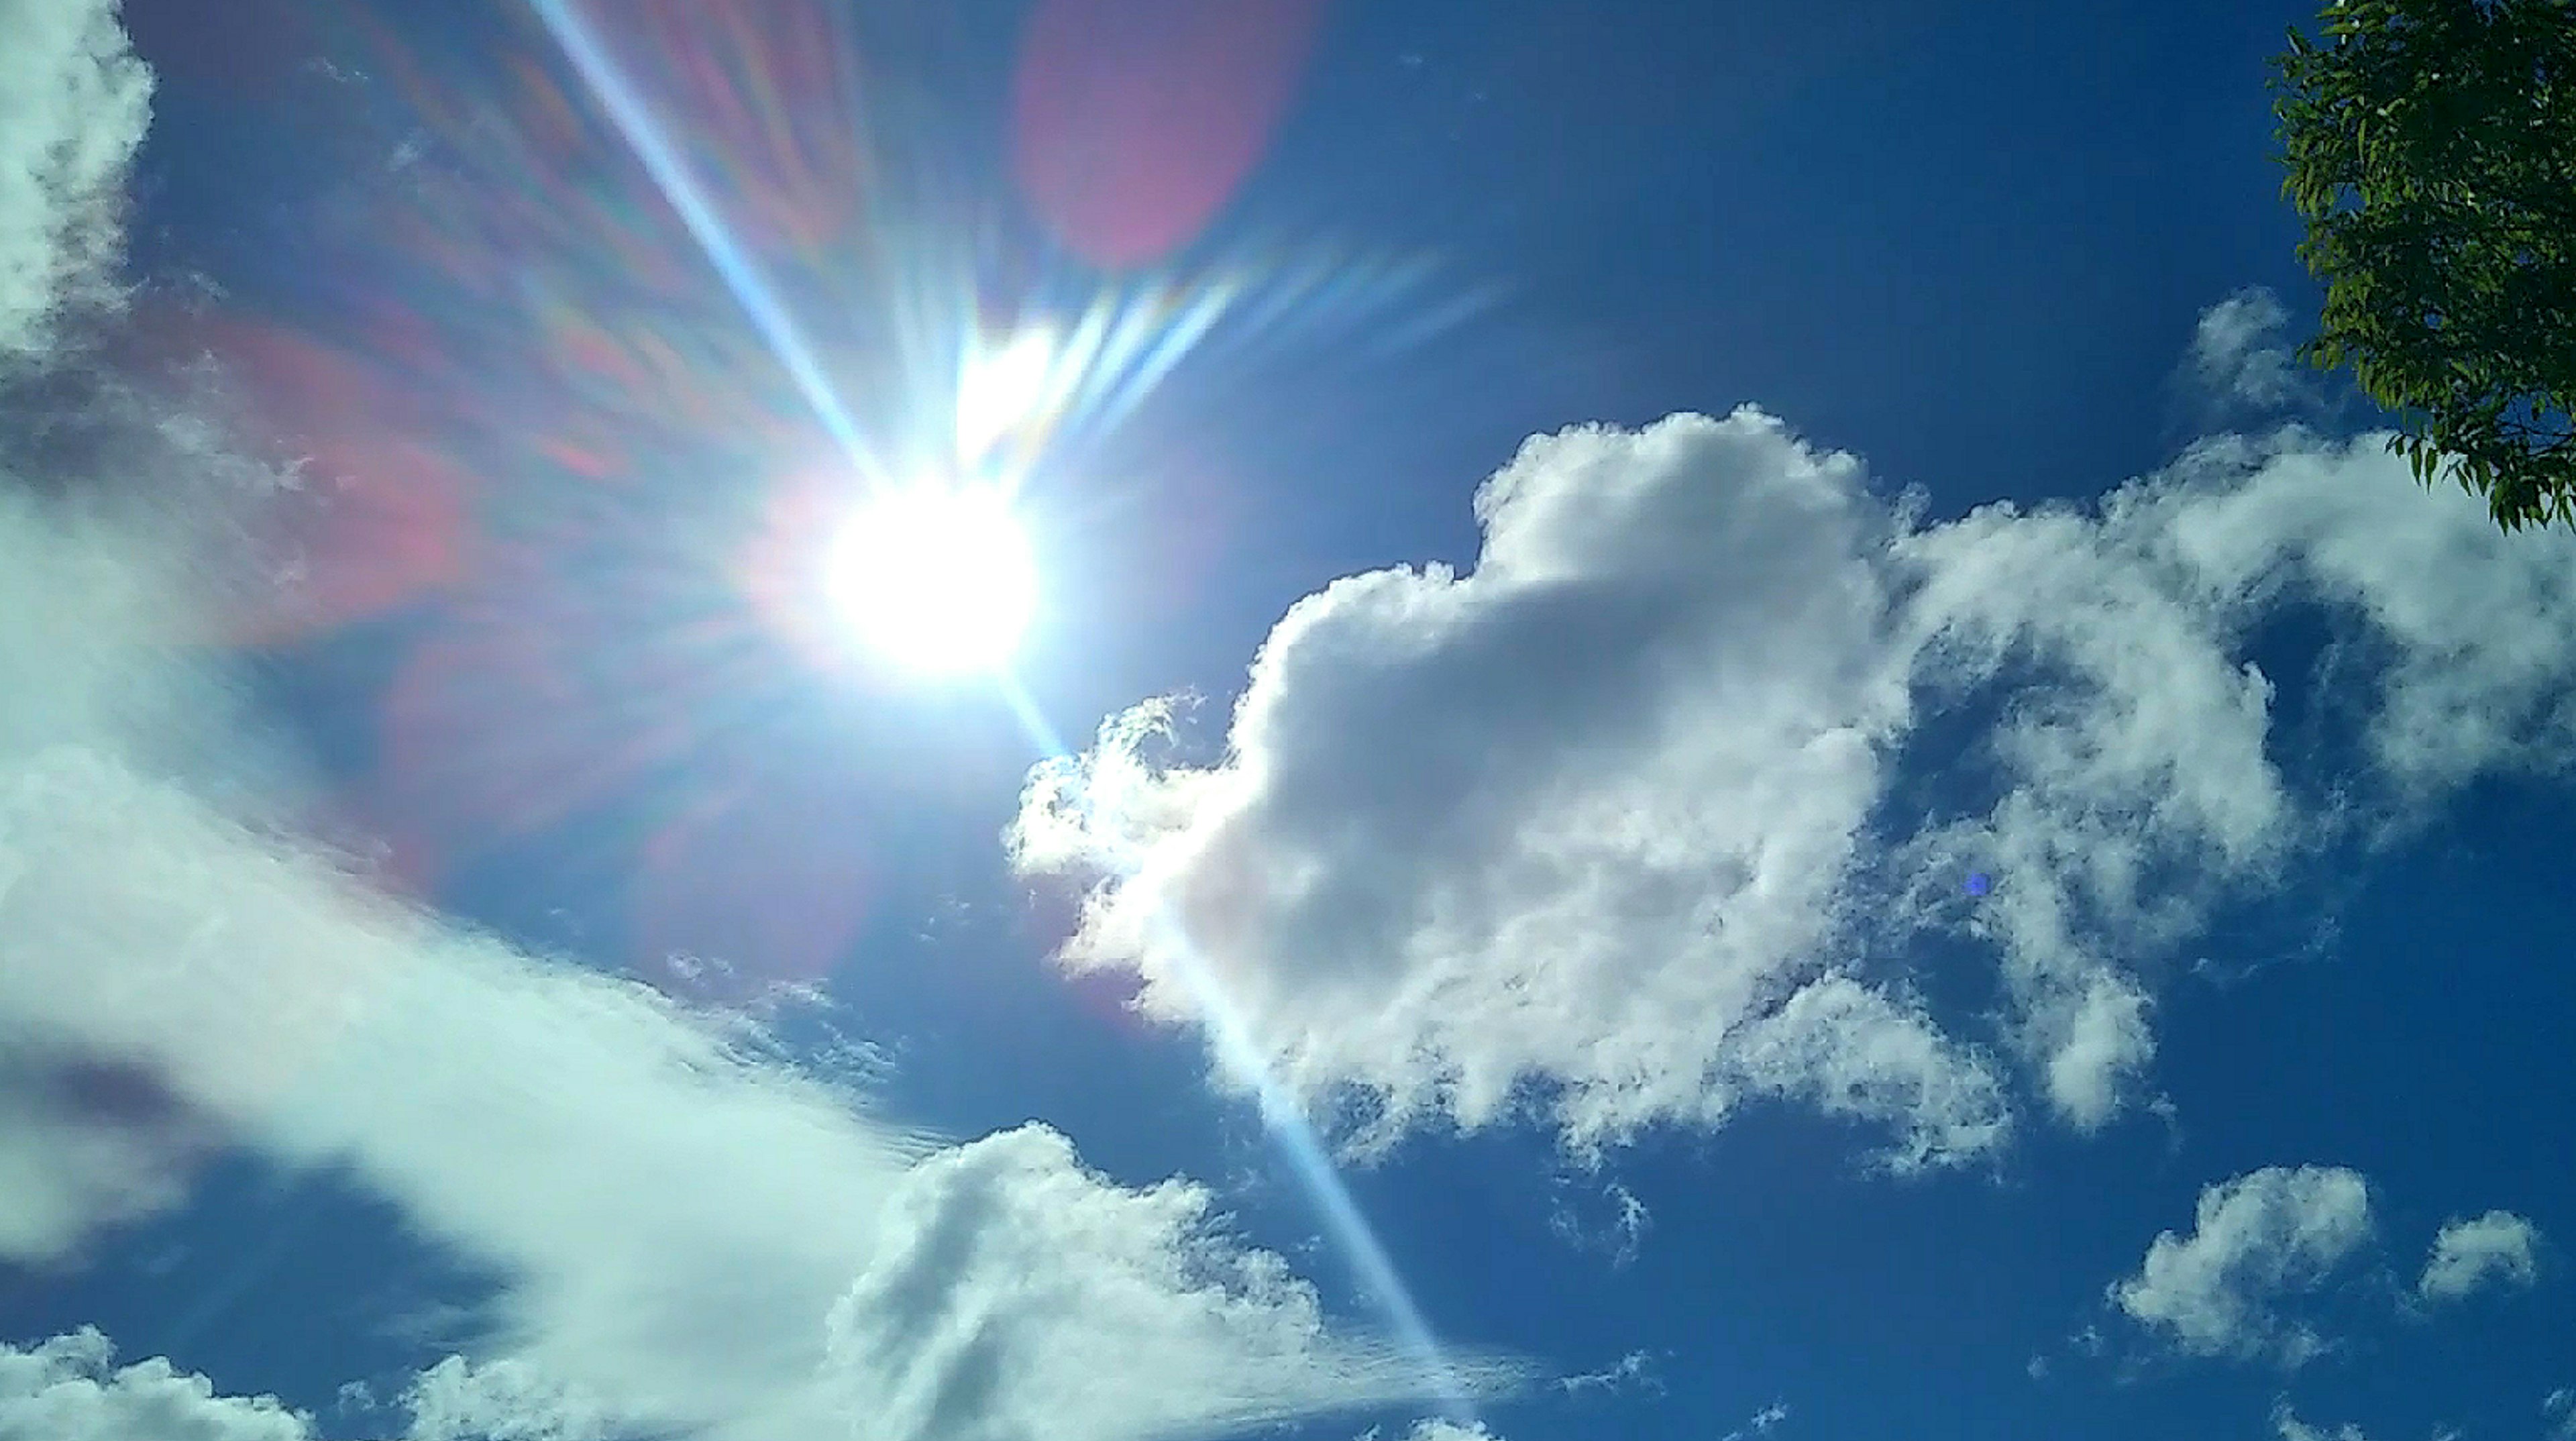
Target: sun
937, 579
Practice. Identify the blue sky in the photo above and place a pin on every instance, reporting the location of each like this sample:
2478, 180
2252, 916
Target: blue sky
1571, 538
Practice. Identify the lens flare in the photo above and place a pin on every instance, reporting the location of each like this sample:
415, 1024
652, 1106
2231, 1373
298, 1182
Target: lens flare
999, 393
611, 462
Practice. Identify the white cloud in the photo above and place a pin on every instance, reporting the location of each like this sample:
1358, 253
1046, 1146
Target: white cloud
1577, 820
2239, 352
2294, 1429
1760, 1423
2132, 743
974, 1324
1636, 1369
2498, 1248
2477, 628
1449, 1431
69, 1389
2559, 1408
1624, 825
2257, 1240
503, 1400
73, 105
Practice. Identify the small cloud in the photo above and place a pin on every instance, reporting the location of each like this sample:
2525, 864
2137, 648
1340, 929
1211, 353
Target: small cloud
1760, 1423
2498, 1248
1444, 1431
2294, 1429
1636, 1369
2257, 1239
2239, 357
2559, 1407
1619, 1234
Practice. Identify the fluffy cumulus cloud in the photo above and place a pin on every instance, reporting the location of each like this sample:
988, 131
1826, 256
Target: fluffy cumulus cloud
690, 1238
973, 1326
2496, 1249
70, 1389
501, 1400
1580, 817
2257, 1240
1636, 820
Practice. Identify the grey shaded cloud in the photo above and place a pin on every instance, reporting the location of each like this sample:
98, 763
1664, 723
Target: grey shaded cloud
1567, 831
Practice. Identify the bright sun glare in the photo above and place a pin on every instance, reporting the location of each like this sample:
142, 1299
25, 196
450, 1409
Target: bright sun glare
937, 579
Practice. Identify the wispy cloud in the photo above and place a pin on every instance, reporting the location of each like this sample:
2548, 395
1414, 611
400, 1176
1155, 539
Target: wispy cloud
1760, 1423
1619, 1234
1636, 1369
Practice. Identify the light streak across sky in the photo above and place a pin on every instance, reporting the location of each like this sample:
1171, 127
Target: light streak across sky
1140, 356
633, 117
1289, 1130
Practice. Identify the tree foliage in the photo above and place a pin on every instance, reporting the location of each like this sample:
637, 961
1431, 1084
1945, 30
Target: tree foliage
2431, 148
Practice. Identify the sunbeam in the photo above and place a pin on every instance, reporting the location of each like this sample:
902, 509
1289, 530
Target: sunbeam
634, 120
1289, 1130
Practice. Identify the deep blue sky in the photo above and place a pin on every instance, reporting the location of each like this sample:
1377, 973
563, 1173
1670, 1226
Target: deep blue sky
1969, 243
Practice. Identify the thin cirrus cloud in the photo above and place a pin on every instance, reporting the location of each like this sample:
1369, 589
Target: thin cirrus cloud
2257, 1241
1639, 818
689, 1238
2498, 1249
